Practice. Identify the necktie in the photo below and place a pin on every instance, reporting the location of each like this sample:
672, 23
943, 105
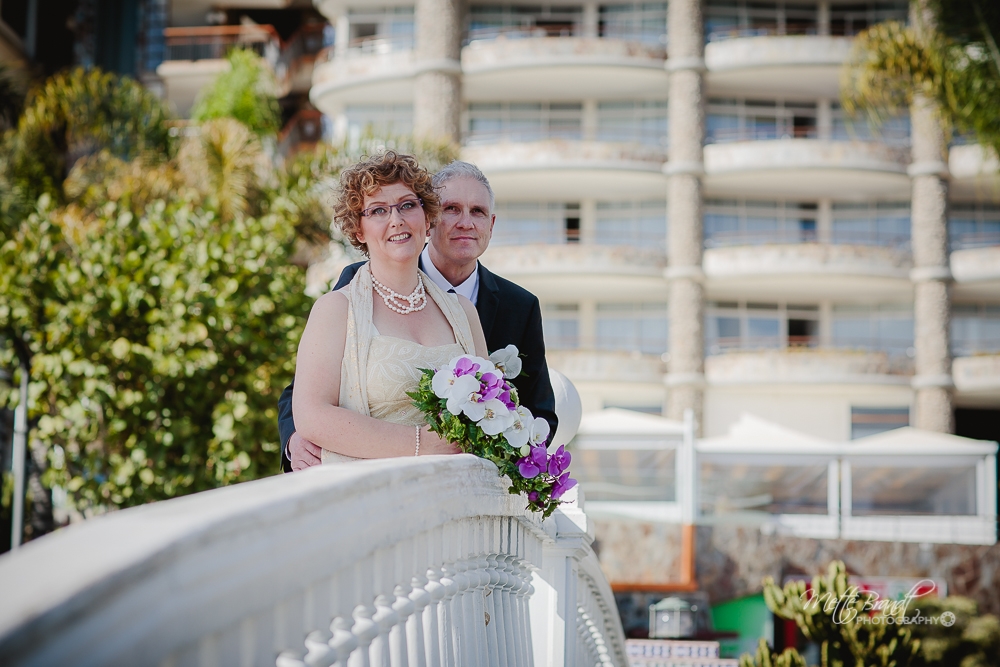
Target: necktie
452, 291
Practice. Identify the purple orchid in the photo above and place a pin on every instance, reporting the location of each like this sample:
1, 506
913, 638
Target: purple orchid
562, 485
465, 366
492, 385
533, 464
559, 462
533, 496
507, 400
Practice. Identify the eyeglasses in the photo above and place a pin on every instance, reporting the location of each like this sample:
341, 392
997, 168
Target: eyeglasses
407, 209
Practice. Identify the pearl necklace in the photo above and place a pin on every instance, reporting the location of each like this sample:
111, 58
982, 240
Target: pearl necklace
401, 303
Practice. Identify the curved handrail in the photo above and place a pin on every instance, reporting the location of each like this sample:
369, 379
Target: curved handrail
251, 569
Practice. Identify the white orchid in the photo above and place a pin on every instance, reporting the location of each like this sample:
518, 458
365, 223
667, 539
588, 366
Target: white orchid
492, 416
463, 392
507, 361
539, 431
517, 434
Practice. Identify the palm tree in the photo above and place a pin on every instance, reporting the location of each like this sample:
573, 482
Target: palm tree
949, 55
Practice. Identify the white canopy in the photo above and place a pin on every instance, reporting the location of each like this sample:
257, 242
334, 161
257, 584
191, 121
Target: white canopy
615, 428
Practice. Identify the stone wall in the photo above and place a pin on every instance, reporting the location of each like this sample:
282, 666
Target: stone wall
731, 561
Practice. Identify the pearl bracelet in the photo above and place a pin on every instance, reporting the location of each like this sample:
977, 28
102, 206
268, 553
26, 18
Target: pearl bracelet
417, 451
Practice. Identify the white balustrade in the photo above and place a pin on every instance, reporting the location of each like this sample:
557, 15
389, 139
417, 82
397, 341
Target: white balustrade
406, 562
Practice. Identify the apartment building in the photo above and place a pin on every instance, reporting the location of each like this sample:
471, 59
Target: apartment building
705, 226
707, 230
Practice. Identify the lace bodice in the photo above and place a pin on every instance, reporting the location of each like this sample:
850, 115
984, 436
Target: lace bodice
394, 368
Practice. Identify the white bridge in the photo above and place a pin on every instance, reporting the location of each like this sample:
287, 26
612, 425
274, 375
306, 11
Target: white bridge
415, 562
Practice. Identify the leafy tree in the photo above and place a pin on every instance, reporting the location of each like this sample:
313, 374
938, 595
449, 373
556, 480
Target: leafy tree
972, 641
950, 56
246, 92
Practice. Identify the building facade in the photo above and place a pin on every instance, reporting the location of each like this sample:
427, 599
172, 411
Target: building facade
704, 225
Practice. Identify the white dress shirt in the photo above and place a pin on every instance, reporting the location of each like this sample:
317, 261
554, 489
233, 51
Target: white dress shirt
469, 288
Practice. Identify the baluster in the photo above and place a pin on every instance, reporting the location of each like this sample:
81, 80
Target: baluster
343, 642
385, 618
404, 608
463, 615
522, 591
287, 658
366, 630
415, 643
318, 651
432, 631
450, 626
482, 581
512, 612
496, 653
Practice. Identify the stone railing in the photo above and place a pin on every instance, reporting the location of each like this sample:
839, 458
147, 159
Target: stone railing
394, 562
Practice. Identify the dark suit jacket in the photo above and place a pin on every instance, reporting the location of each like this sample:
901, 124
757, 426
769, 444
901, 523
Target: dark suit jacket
510, 314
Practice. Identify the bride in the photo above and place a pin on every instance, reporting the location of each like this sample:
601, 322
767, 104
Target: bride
364, 344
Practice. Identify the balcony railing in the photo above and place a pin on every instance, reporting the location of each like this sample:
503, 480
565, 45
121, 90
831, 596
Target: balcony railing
378, 562
368, 46
215, 42
973, 240
727, 239
898, 352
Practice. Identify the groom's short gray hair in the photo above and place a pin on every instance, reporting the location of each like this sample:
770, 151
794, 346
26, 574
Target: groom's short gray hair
459, 169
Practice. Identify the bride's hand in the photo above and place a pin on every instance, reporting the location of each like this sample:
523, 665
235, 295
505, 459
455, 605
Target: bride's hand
431, 444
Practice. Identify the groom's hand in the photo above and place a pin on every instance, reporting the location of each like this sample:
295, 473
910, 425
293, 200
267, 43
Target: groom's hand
303, 453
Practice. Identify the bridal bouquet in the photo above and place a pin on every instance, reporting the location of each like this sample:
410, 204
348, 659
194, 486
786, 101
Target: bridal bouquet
472, 403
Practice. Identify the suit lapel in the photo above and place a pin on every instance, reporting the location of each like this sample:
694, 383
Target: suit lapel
488, 300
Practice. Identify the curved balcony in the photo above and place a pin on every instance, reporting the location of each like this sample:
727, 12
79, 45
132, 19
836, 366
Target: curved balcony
795, 66
973, 171
795, 365
977, 376
772, 264
807, 168
376, 71
568, 170
977, 271
583, 366
574, 270
381, 552
553, 68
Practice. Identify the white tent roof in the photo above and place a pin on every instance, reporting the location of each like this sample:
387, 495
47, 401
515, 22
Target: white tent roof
616, 421
615, 428
915, 441
753, 435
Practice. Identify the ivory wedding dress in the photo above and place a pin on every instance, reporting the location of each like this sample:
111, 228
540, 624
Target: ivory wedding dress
378, 370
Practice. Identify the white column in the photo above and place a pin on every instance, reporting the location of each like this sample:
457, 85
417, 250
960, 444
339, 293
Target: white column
823, 17
438, 91
588, 221
588, 324
824, 119
591, 19
686, 64
589, 120
931, 273
824, 220
343, 40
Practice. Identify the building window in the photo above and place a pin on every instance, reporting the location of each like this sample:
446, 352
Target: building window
739, 485
739, 222
884, 328
974, 226
521, 21
758, 120
561, 326
892, 131
849, 20
640, 224
640, 327
726, 19
524, 121
378, 120
878, 224
754, 326
524, 223
633, 121
975, 329
644, 22
381, 30
869, 421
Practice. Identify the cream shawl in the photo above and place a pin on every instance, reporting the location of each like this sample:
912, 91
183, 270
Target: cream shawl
354, 370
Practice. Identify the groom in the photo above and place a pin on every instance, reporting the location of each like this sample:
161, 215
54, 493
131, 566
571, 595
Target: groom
509, 314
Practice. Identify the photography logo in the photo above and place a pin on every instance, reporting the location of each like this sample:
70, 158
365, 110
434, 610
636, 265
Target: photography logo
947, 619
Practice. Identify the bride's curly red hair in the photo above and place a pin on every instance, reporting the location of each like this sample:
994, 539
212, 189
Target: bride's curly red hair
369, 175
